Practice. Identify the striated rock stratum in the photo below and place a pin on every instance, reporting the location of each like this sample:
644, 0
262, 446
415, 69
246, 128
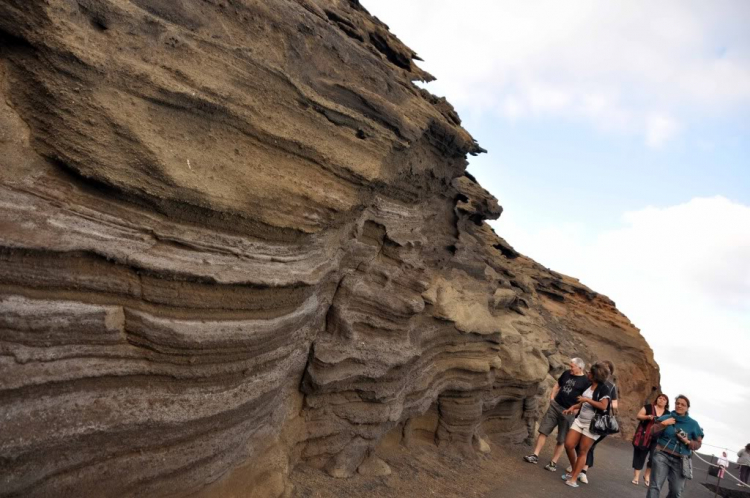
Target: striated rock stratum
236, 238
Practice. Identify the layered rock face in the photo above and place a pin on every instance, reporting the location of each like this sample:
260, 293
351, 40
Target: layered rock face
235, 238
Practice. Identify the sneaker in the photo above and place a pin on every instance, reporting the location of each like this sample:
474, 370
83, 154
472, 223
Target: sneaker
571, 484
582, 477
531, 458
552, 467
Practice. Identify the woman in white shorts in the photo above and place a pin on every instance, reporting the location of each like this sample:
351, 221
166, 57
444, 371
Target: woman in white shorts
596, 398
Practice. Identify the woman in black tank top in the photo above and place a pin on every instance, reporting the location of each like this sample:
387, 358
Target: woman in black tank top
647, 415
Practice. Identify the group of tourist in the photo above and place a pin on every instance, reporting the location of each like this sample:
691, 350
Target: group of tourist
664, 438
657, 430
574, 402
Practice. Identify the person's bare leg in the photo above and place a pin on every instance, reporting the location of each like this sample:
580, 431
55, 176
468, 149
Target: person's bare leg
647, 475
540, 444
585, 446
637, 475
571, 441
558, 451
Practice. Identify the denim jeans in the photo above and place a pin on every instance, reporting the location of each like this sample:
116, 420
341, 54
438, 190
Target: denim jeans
665, 467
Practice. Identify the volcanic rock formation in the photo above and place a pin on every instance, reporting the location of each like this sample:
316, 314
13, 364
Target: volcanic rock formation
235, 237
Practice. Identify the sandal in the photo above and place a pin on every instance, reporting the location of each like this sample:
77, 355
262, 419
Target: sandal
565, 478
635, 481
647, 482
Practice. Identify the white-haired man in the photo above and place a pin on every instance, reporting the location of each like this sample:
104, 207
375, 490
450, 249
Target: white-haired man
571, 384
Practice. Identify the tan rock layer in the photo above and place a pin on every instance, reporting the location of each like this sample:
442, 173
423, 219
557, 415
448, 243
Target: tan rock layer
235, 237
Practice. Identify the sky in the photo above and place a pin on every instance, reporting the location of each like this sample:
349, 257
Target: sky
618, 138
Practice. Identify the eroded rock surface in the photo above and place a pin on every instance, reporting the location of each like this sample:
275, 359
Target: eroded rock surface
235, 237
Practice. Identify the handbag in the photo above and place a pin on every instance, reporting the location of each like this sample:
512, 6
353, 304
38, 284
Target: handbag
604, 423
687, 467
642, 437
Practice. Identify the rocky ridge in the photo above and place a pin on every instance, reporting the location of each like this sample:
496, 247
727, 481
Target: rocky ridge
237, 238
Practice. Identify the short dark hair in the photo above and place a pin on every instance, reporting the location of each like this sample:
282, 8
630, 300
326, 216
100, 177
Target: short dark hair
600, 372
747, 446
662, 395
682, 396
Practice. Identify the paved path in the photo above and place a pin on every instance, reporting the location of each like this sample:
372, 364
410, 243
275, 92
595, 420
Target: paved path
424, 471
609, 478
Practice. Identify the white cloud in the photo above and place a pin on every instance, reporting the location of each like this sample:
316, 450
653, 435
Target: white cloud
548, 99
659, 129
512, 108
629, 67
682, 275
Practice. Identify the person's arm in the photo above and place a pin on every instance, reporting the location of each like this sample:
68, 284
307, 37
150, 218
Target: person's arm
599, 405
642, 414
615, 397
661, 425
572, 409
555, 390
694, 445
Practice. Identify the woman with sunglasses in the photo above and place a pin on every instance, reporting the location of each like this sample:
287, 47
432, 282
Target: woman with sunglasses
678, 436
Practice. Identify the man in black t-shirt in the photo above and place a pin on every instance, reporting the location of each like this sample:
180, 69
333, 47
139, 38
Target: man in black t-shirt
571, 384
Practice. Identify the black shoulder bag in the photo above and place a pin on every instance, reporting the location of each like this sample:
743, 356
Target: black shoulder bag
604, 422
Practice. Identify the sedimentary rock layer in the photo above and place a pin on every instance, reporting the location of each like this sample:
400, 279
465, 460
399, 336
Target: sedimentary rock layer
235, 237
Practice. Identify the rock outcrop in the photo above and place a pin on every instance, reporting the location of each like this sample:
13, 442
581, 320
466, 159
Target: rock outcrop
235, 237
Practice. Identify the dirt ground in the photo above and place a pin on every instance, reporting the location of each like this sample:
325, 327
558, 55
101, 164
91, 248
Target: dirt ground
422, 471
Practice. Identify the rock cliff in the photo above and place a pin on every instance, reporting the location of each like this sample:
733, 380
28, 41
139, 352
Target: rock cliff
235, 237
